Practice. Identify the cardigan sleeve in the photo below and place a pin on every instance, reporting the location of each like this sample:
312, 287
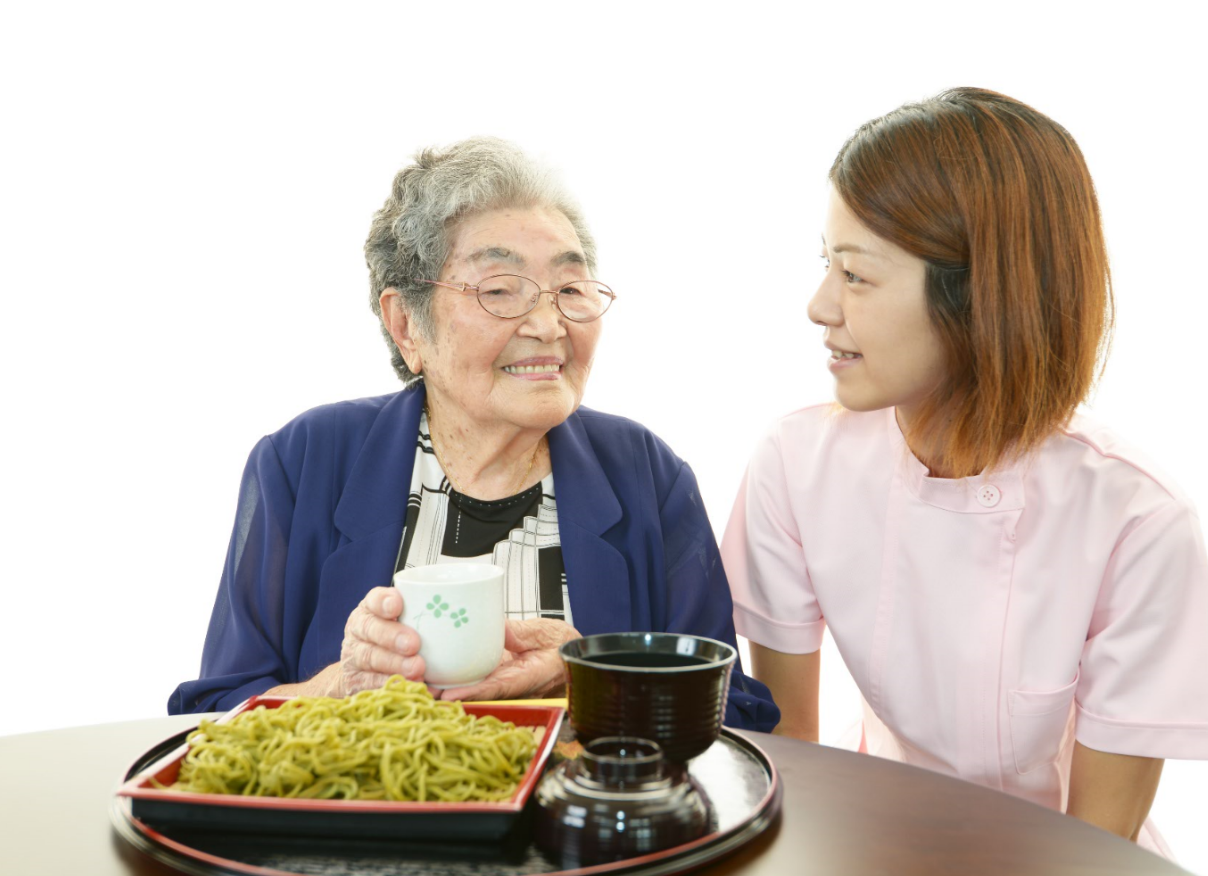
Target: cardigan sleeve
244, 653
698, 596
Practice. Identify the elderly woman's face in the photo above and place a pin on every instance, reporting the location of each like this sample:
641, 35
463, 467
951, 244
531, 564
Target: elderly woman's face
484, 365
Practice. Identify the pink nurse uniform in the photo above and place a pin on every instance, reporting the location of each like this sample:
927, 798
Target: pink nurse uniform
988, 621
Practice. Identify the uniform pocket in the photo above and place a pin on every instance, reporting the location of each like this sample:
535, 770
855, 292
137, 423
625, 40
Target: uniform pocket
1038, 721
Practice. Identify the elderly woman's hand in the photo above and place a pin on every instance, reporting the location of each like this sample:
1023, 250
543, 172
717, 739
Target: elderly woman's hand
531, 665
376, 646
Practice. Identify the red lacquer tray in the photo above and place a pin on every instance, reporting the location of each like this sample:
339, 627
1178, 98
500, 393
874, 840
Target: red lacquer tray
382, 819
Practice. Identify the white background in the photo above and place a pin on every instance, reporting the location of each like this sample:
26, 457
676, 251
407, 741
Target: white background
185, 190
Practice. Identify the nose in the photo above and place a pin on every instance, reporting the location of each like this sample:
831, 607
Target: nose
824, 308
545, 321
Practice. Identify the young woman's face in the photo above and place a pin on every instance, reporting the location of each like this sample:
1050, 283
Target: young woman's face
884, 350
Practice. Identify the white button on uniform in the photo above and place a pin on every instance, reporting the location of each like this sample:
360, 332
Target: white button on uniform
989, 495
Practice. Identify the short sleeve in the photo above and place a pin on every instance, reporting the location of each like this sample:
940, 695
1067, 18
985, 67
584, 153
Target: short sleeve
1143, 678
774, 601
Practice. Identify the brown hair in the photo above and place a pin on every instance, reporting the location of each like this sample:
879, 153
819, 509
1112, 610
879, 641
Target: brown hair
997, 199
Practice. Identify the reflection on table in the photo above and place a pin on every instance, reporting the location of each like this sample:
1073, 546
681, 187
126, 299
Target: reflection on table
842, 813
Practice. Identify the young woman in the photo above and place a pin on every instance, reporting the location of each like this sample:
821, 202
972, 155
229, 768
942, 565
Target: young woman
1021, 597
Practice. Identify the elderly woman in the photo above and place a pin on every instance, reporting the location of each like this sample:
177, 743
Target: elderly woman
481, 270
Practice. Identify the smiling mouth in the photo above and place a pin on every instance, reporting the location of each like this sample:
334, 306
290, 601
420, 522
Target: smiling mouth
843, 354
532, 369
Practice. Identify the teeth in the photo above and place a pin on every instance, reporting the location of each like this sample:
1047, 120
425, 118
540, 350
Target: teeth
531, 369
840, 354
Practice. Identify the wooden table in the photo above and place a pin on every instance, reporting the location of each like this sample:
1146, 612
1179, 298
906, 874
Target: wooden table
843, 813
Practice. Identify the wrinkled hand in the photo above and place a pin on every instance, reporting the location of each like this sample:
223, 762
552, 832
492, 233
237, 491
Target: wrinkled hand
376, 646
531, 665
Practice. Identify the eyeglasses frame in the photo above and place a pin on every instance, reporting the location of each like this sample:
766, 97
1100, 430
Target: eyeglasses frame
477, 289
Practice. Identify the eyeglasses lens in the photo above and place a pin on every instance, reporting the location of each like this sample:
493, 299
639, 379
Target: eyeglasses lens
507, 296
585, 300
510, 296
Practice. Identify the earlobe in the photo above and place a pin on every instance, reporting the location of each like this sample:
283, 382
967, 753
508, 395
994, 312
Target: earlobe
398, 323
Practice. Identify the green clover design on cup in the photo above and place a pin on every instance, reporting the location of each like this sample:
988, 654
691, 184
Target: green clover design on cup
439, 607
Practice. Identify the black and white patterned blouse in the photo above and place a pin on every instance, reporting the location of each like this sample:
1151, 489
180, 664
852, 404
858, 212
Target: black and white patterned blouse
518, 534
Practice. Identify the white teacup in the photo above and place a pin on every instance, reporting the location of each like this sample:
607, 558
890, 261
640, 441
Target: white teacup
457, 609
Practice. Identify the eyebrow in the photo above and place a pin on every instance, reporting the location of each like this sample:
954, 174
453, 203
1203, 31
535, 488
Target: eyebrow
851, 247
503, 254
495, 254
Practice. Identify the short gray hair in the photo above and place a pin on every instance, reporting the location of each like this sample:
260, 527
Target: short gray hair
409, 236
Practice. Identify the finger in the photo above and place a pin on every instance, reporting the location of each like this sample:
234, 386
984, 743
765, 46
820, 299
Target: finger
537, 634
416, 668
487, 689
357, 655
361, 656
383, 633
494, 687
385, 602
535, 674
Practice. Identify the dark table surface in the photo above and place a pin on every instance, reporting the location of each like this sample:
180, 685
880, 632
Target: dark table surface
843, 813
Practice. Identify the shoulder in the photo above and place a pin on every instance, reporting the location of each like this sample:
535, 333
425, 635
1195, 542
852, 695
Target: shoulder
822, 423
609, 431
338, 427
826, 437
631, 455
1092, 457
338, 416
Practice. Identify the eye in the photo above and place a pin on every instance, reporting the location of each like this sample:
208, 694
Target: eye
847, 275
503, 287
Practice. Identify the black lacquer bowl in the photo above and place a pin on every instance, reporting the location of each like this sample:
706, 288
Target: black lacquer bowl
617, 800
665, 687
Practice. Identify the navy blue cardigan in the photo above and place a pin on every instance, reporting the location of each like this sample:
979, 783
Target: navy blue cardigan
320, 518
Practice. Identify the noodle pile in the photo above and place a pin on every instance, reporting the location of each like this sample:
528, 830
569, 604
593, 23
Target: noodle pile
396, 743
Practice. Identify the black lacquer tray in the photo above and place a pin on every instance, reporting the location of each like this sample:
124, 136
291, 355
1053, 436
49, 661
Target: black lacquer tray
739, 780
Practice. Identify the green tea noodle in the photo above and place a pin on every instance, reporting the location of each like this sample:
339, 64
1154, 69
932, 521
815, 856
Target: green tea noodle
396, 743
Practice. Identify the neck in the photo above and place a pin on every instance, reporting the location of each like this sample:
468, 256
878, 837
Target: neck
485, 459
926, 452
